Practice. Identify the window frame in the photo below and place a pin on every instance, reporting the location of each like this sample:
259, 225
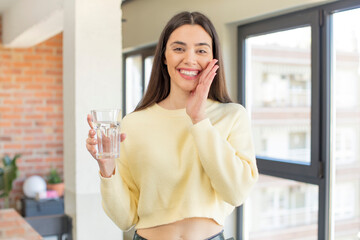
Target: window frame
278, 167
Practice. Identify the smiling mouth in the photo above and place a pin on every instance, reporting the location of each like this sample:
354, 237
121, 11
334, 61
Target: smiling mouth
189, 73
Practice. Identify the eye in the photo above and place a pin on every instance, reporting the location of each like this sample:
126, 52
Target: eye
202, 51
178, 49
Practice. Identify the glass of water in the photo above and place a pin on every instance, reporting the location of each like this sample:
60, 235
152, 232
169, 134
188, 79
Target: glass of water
106, 123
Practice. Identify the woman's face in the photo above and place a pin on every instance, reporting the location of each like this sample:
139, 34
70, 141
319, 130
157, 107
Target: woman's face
188, 52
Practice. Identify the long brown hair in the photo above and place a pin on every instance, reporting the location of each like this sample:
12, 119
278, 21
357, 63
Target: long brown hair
159, 84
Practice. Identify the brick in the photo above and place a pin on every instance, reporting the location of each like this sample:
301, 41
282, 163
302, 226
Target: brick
54, 145
5, 124
46, 50
5, 139
22, 64
43, 94
5, 109
32, 145
54, 116
21, 109
11, 116
54, 101
41, 168
33, 57
34, 160
12, 146
53, 44
43, 65
33, 72
11, 86
13, 101
43, 123
53, 58
34, 101
23, 50
10, 131
22, 124
45, 109
6, 64
55, 88
44, 79
34, 117
28, 138
23, 79
59, 159
4, 95
33, 86
5, 56
54, 72
44, 138
23, 94
5, 79
14, 71
33, 131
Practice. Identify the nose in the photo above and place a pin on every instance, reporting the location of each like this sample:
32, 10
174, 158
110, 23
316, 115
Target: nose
190, 58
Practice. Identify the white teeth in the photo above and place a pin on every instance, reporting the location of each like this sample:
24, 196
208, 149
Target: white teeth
189, 73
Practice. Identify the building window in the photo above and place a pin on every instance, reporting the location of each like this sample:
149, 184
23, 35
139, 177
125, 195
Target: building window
297, 140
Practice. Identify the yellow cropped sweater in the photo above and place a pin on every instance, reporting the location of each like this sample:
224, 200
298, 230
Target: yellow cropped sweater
170, 169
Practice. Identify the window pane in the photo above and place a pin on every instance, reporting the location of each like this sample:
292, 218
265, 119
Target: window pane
133, 82
346, 124
282, 209
148, 66
278, 87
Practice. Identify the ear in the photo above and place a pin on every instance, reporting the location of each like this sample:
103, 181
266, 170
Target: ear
165, 62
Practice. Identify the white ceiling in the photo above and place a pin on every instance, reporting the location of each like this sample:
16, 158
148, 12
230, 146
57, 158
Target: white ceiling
4, 4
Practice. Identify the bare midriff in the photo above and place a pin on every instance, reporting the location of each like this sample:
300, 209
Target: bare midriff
186, 229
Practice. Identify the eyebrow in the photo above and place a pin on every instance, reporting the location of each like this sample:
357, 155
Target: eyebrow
184, 44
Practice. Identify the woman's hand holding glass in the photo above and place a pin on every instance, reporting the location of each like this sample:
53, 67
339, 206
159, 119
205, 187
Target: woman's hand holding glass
196, 104
106, 165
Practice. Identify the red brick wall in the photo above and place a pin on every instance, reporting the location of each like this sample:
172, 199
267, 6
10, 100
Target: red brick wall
31, 111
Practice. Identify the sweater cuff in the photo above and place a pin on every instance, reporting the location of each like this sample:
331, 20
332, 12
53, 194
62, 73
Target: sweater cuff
107, 181
203, 124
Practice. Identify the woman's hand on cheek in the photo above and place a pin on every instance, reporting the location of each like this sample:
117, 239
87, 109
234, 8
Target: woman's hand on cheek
196, 104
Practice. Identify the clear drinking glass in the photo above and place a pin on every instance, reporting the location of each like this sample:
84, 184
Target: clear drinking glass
106, 123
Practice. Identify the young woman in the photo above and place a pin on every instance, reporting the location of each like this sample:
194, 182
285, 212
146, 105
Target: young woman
188, 156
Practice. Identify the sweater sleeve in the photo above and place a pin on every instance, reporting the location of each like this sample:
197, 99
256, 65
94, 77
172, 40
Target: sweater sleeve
120, 195
228, 161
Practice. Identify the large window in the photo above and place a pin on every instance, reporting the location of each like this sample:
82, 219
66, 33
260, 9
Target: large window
299, 78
